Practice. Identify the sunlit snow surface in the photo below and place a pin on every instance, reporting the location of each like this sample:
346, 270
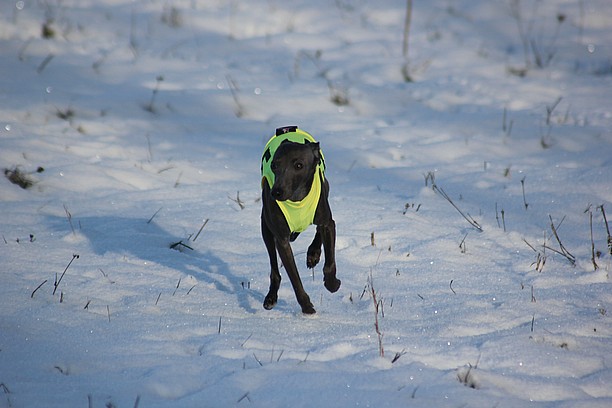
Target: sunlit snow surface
149, 118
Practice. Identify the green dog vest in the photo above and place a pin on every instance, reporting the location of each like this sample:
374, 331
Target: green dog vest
299, 214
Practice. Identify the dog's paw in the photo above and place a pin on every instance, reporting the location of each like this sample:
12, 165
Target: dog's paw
332, 284
270, 302
308, 309
313, 258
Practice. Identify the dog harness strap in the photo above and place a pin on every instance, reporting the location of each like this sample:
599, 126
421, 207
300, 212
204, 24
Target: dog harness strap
299, 214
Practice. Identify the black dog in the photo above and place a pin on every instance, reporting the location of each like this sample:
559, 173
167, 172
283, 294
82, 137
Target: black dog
294, 196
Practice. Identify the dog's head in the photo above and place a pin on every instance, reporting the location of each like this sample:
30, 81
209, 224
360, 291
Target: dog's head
294, 166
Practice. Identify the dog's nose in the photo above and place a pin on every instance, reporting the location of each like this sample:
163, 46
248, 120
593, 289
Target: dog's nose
277, 193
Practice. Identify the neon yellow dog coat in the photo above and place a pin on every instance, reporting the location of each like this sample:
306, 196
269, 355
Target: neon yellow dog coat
299, 214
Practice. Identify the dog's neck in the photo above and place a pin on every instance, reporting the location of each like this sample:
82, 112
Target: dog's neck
300, 214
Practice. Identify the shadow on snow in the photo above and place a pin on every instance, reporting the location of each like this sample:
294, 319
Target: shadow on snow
147, 241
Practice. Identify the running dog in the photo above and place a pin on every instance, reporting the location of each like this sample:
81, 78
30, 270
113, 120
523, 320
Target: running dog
295, 196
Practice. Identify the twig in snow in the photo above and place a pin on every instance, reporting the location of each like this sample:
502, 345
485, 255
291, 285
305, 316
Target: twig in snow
467, 217
503, 218
407, 21
177, 286
451, 287
150, 107
237, 200
258, 361
497, 216
38, 287
180, 245
365, 289
550, 109
398, 355
69, 217
463, 245
523, 187
239, 110
44, 63
540, 261
563, 251
20, 178
378, 258
595, 266
166, 168
246, 395
219, 328
305, 358
57, 282
515, 11
106, 276
507, 126
542, 53
540, 256
178, 179
200, 230
603, 212
430, 177
467, 379
545, 139
338, 94
377, 305
150, 156
108, 312
153, 216
133, 42
247, 339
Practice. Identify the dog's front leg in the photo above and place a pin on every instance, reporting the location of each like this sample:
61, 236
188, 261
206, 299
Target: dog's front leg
314, 250
328, 233
275, 277
286, 255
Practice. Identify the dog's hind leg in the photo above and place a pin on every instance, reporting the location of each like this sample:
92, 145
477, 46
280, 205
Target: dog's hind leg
275, 277
328, 233
286, 256
314, 250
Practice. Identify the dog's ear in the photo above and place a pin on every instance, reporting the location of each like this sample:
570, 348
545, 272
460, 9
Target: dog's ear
316, 150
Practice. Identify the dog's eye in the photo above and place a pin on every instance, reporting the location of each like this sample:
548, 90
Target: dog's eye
299, 165
273, 166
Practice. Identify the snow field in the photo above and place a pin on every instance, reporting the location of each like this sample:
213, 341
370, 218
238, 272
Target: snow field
149, 118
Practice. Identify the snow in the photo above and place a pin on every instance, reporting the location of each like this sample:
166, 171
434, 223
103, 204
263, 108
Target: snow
149, 119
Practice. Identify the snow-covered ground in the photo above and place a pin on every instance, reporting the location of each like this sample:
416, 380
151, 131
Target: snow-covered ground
148, 118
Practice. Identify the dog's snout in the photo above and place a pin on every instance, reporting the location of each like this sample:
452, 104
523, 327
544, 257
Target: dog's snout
277, 193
